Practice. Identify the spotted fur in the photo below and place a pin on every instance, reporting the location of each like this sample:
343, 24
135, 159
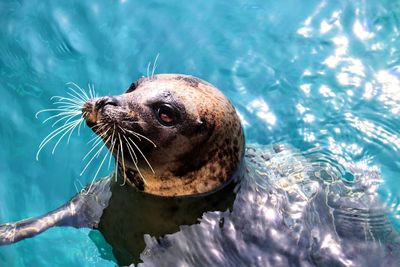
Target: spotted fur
197, 155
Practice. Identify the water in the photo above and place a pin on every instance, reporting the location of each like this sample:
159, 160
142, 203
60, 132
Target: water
323, 75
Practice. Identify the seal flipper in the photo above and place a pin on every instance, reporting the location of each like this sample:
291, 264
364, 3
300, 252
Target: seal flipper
83, 210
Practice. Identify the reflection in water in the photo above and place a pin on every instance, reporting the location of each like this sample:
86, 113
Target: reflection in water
261, 109
374, 133
389, 83
289, 211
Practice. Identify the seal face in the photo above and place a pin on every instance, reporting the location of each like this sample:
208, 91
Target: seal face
176, 134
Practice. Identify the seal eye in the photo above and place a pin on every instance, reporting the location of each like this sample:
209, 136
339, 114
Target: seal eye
166, 115
132, 87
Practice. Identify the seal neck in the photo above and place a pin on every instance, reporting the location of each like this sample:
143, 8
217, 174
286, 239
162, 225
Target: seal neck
201, 182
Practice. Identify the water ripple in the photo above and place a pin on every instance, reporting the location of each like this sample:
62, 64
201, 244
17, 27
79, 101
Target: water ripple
323, 76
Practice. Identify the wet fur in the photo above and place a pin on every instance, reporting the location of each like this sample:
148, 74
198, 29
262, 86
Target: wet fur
195, 156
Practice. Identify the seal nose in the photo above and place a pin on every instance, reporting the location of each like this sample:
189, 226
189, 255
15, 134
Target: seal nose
104, 101
91, 108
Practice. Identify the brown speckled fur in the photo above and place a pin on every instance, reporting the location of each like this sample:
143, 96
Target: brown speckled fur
185, 161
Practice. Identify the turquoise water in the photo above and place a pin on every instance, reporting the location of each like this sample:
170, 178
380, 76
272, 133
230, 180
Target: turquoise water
323, 75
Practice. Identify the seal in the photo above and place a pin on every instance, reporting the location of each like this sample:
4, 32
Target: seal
179, 145
195, 139
193, 149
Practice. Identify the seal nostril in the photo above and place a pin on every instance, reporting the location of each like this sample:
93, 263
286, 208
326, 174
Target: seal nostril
104, 101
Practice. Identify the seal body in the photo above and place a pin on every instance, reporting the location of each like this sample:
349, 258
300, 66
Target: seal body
131, 214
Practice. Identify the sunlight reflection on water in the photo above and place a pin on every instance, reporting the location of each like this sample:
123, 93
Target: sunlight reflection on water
323, 75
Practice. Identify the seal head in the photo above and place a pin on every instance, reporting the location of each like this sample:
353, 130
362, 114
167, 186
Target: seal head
172, 134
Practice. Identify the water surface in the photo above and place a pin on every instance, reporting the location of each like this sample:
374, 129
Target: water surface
319, 75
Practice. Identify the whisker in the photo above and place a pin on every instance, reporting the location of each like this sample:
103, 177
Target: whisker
140, 173
80, 184
69, 100
123, 159
71, 112
81, 95
86, 96
93, 91
137, 135
79, 128
101, 133
111, 154
140, 151
68, 106
51, 110
113, 140
52, 135
95, 144
116, 163
94, 156
75, 113
68, 117
90, 90
148, 69
71, 129
70, 133
154, 65
82, 90
95, 137
76, 98
98, 170
135, 161
122, 129
133, 157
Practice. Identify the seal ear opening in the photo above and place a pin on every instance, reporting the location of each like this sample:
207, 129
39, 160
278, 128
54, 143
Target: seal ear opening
135, 85
204, 127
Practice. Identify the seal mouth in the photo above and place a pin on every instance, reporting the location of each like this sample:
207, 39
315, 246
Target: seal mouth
123, 136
